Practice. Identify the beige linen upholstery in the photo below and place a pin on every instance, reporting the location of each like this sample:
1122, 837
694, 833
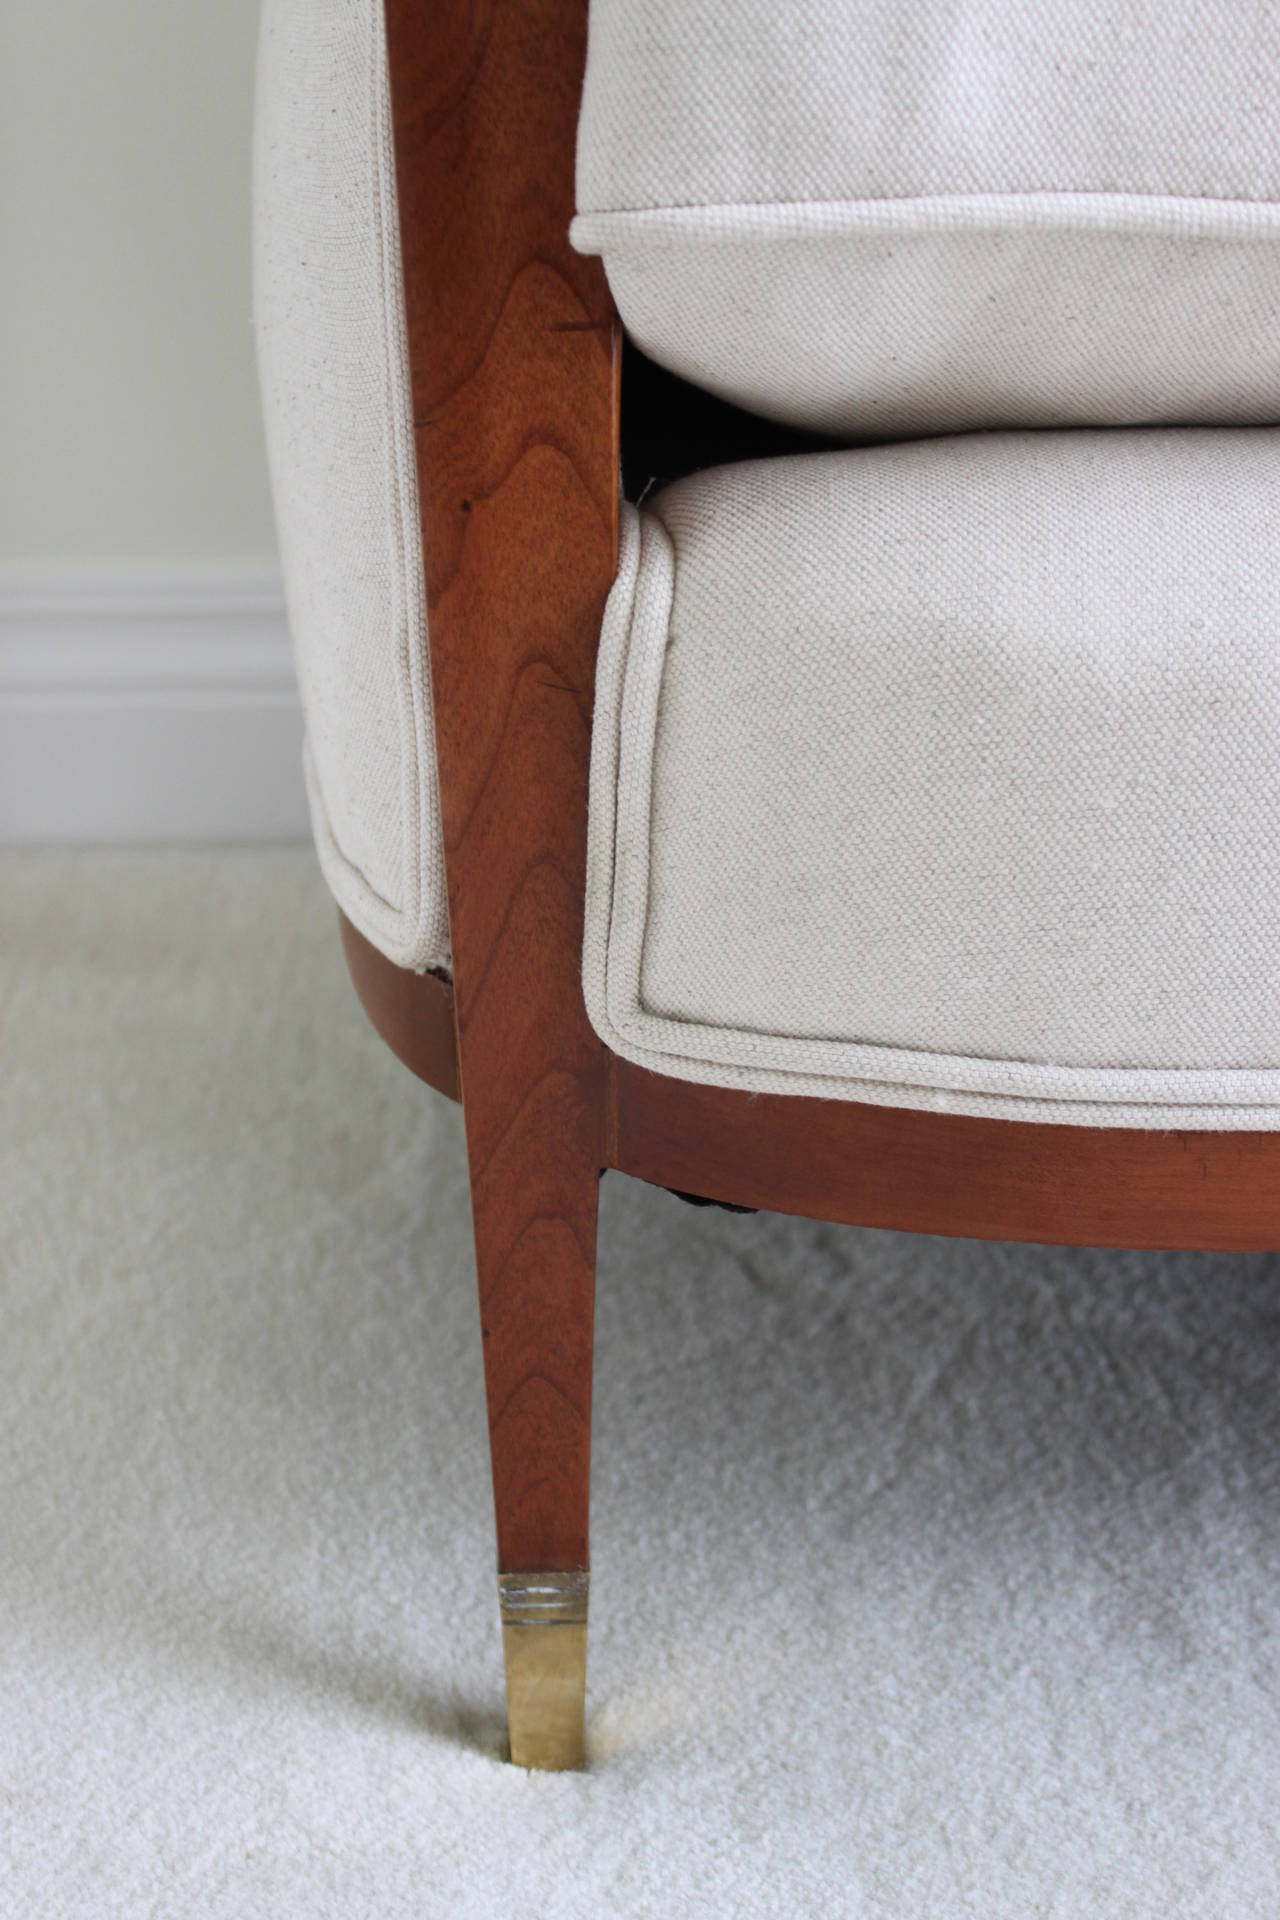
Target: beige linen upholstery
334, 371
881, 220
945, 775
939, 774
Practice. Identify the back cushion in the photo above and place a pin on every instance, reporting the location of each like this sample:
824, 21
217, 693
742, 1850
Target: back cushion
876, 219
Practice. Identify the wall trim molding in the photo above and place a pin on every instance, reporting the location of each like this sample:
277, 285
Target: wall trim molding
147, 702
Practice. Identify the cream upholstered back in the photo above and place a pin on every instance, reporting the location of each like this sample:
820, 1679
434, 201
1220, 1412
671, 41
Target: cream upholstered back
335, 387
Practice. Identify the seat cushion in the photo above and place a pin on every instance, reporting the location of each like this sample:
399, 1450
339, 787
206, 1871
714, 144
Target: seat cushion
945, 775
335, 389
882, 220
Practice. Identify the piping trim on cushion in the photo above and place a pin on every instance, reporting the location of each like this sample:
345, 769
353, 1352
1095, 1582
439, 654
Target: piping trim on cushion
628, 686
1177, 216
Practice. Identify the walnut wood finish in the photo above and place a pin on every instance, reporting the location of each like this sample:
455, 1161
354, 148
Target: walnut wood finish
946, 1173
412, 1011
513, 363
887, 1167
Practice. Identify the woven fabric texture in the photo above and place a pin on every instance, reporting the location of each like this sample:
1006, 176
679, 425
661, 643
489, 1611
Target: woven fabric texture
941, 775
887, 220
335, 389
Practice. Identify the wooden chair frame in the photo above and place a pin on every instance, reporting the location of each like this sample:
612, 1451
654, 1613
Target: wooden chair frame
515, 363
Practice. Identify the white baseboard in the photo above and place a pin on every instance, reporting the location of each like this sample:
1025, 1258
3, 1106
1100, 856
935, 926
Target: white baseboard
147, 703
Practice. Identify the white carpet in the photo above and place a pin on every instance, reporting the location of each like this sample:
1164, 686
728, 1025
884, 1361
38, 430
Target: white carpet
930, 1579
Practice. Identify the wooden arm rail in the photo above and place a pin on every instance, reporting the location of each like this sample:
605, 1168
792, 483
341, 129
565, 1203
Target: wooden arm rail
513, 357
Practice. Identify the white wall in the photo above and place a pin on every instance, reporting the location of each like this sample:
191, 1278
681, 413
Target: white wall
132, 472
127, 396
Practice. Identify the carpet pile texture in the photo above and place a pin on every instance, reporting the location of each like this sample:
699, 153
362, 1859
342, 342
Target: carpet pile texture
929, 1578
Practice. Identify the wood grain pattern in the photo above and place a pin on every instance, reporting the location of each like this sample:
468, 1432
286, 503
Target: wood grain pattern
412, 1011
513, 364
883, 1166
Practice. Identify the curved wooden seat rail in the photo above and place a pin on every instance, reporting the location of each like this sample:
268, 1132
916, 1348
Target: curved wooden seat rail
882, 1166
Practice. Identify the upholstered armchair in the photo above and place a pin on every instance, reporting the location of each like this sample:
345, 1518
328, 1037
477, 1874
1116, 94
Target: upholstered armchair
780, 507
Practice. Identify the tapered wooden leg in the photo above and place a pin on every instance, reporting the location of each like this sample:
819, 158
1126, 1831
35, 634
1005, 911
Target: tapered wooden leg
513, 361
